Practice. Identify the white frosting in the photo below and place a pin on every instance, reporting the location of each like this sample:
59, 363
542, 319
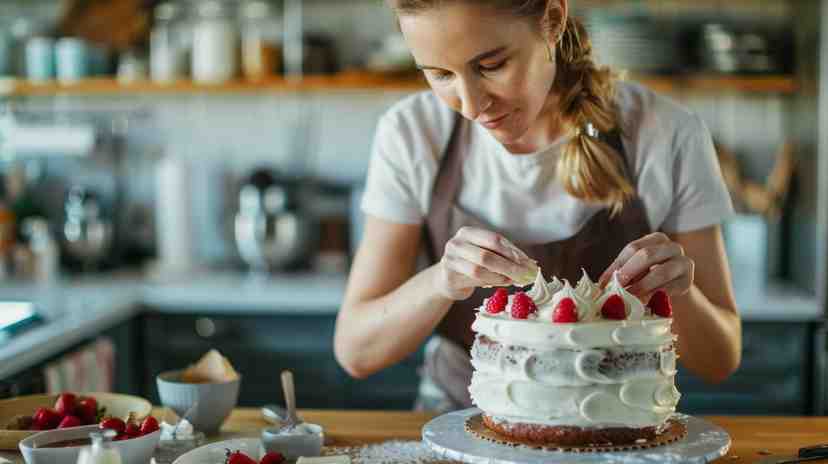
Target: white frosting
540, 292
632, 305
542, 333
636, 403
591, 373
587, 288
585, 306
566, 367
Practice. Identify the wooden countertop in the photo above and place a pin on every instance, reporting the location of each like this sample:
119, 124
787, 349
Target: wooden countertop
754, 437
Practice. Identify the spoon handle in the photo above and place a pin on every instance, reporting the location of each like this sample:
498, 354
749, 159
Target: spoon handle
290, 394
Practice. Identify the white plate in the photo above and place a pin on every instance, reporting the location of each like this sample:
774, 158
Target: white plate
215, 453
447, 436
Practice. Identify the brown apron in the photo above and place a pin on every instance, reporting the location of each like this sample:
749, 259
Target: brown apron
447, 368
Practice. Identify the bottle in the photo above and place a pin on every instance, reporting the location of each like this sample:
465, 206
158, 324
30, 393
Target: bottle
261, 41
101, 451
44, 249
168, 44
215, 44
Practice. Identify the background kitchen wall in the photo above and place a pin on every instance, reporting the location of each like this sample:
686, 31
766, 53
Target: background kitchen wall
747, 67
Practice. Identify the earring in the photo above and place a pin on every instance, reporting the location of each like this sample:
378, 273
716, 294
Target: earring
548, 53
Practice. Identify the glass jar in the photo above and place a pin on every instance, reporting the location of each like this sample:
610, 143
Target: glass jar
261, 44
215, 43
169, 44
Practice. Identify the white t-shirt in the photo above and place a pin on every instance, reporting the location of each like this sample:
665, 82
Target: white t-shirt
670, 150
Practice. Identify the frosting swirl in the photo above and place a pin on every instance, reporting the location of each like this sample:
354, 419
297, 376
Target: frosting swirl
540, 292
586, 308
587, 288
633, 306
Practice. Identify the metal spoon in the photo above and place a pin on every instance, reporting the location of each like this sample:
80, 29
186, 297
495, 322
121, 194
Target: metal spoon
274, 414
292, 420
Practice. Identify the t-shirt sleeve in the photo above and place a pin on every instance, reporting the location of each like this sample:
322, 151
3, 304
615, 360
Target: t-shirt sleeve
390, 186
700, 196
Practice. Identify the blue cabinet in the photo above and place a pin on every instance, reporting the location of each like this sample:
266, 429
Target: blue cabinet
780, 374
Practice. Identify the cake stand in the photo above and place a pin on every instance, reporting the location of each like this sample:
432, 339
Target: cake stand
447, 437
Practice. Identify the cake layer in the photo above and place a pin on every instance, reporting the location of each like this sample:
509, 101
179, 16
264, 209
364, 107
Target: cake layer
547, 335
571, 367
544, 435
639, 402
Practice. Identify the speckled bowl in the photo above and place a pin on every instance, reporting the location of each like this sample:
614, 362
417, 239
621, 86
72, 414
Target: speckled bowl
215, 400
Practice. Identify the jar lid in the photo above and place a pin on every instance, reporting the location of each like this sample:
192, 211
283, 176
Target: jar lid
167, 11
255, 9
212, 9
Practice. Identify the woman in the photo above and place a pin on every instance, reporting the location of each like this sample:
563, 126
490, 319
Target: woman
552, 161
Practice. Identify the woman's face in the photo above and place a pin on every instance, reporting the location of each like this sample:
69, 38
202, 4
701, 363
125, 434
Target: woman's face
489, 66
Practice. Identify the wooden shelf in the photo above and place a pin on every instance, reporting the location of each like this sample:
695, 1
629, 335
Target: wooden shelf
362, 81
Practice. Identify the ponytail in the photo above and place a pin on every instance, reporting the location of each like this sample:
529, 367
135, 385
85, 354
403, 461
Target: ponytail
588, 168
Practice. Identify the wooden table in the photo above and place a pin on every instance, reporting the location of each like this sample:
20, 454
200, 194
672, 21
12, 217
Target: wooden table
754, 437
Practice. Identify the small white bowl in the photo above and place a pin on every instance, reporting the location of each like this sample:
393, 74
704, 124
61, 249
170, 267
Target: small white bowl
133, 451
215, 400
295, 445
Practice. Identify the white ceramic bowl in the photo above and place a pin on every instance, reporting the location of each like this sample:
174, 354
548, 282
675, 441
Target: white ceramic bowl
133, 451
216, 452
215, 400
294, 445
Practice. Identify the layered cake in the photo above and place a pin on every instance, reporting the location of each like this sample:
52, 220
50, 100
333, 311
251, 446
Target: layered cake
574, 366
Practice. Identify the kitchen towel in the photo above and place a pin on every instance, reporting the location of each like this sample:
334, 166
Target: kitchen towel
91, 368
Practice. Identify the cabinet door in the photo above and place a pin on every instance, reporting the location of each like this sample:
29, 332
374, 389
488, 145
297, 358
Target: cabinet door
259, 347
774, 377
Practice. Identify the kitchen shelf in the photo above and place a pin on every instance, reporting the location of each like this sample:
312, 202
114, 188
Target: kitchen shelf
360, 81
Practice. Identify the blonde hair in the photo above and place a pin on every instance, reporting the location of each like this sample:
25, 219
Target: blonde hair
589, 169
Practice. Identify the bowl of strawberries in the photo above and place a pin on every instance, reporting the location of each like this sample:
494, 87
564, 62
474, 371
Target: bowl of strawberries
24, 416
135, 440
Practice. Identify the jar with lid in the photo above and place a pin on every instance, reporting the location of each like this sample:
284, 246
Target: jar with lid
215, 43
261, 42
169, 43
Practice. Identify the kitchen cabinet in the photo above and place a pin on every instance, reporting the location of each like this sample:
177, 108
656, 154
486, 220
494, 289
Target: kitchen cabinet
781, 374
126, 378
260, 347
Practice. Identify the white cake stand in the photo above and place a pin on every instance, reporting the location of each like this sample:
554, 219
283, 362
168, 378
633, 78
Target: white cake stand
447, 437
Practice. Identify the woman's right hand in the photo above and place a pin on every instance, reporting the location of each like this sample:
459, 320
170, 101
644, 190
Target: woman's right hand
480, 258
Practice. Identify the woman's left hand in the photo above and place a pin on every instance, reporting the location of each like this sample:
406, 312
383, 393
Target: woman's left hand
651, 263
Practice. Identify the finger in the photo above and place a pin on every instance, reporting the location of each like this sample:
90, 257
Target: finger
489, 260
475, 274
673, 288
628, 252
645, 258
660, 275
494, 242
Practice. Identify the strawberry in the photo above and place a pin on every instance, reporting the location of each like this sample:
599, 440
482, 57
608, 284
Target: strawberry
132, 430
272, 458
497, 302
65, 404
522, 306
121, 436
86, 409
565, 312
614, 308
46, 418
113, 423
237, 457
660, 304
149, 425
69, 421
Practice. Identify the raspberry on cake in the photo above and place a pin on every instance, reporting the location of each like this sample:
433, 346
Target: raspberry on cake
593, 368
